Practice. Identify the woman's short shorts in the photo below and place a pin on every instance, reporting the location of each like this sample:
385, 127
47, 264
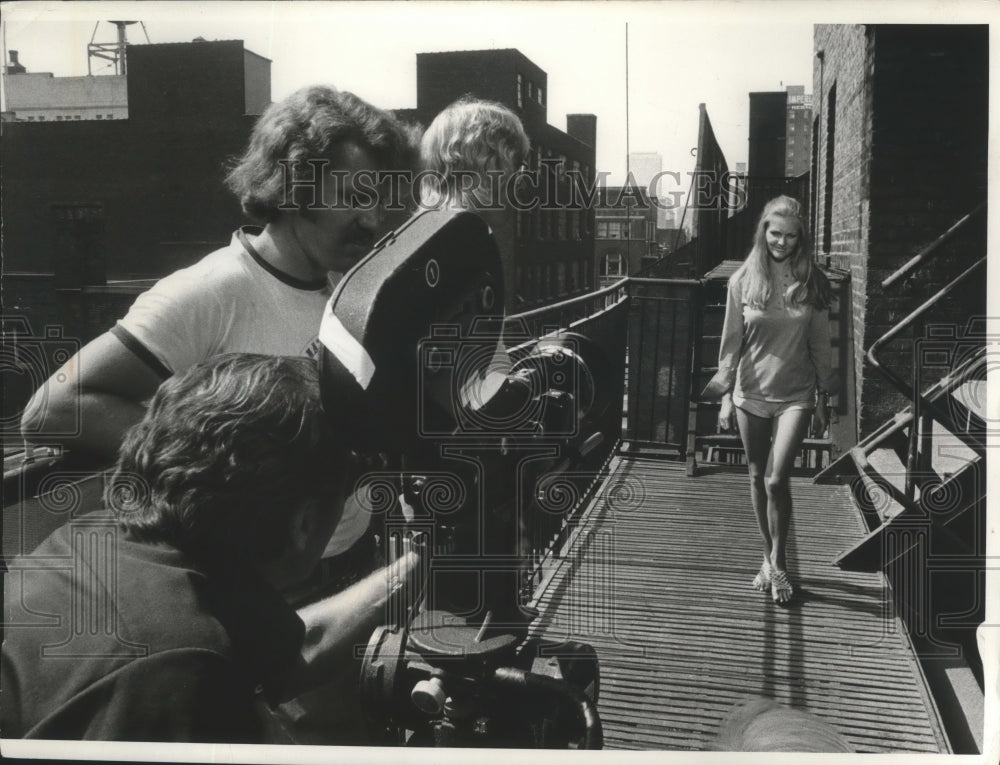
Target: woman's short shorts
770, 409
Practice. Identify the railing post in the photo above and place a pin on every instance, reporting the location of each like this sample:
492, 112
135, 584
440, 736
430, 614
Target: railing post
914, 458
693, 394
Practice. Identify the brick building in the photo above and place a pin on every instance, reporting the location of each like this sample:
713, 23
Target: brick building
625, 236
766, 141
780, 136
41, 97
900, 125
798, 130
93, 211
552, 254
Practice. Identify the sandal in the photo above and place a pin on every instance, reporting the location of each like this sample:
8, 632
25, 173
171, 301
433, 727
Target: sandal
762, 582
781, 588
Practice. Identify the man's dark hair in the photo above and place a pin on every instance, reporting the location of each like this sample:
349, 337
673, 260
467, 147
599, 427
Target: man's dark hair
309, 125
224, 454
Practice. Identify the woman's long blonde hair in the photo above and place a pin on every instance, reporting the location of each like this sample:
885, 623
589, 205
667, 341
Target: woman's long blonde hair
811, 285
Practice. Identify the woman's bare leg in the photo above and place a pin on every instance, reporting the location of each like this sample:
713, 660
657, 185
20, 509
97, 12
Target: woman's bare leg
789, 430
755, 433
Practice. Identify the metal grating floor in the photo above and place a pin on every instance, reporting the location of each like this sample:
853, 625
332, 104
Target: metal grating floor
658, 581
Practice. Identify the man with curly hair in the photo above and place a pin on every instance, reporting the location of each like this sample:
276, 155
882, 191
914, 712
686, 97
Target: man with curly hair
224, 492
307, 178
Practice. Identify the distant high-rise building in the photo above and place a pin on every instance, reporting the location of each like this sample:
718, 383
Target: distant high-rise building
645, 166
798, 131
780, 133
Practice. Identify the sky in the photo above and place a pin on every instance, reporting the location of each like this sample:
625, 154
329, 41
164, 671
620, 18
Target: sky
680, 54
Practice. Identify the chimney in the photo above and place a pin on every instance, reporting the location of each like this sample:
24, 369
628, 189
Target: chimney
583, 127
15, 66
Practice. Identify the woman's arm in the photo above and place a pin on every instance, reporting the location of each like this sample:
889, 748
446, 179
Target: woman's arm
730, 344
820, 356
820, 349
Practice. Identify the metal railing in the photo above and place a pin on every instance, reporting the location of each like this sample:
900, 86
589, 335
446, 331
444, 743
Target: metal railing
539, 322
931, 250
558, 489
924, 408
664, 337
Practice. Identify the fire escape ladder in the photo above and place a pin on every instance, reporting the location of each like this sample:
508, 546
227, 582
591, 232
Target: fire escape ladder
898, 475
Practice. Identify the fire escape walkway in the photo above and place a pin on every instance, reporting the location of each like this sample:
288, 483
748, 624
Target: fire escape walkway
658, 581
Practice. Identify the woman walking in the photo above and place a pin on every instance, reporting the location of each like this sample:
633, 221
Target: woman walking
774, 372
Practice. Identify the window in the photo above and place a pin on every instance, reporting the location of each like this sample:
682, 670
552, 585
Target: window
541, 98
31, 119
530, 87
814, 172
76, 116
110, 116
561, 225
59, 118
100, 116
831, 125
561, 279
41, 118
520, 87
612, 265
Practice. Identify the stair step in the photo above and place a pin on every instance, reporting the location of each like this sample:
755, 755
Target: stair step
888, 465
950, 453
886, 498
972, 394
843, 469
725, 439
872, 552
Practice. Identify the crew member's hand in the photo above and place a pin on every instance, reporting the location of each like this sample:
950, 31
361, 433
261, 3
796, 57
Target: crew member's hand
727, 414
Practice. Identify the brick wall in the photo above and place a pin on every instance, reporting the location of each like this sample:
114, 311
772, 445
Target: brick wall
928, 168
907, 159
843, 67
156, 179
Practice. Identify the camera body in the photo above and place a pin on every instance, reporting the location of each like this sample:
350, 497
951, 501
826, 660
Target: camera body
418, 367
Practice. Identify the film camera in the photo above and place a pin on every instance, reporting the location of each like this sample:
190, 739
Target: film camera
468, 413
